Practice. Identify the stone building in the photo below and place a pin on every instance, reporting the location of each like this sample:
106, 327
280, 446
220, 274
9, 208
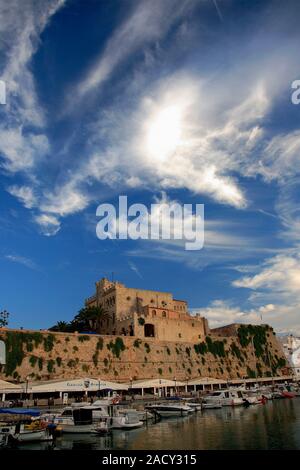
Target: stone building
145, 313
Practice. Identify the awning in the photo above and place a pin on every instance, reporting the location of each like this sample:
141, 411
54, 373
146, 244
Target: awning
156, 383
76, 385
6, 387
206, 381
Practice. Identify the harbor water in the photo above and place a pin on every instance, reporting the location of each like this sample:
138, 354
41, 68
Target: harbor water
275, 425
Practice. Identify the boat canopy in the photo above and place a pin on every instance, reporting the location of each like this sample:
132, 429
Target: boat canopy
20, 411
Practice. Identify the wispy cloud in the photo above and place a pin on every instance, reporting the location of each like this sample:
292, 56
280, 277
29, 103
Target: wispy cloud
135, 269
146, 23
27, 262
22, 138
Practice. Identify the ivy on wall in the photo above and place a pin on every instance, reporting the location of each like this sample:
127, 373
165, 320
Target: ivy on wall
116, 347
18, 343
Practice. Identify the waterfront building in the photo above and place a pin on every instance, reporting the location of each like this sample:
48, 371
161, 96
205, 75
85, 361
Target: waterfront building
291, 347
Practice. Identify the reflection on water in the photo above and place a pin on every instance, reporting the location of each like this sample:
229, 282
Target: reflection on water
273, 426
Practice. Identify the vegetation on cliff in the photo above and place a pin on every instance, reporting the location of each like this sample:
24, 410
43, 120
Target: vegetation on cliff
86, 320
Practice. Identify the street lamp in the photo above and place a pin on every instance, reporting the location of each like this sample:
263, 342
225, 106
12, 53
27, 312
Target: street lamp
99, 388
175, 386
131, 386
26, 387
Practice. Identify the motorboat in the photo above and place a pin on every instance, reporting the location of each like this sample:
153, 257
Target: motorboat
166, 410
194, 405
82, 419
74, 421
229, 397
282, 391
22, 433
210, 406
125, 419
250, 397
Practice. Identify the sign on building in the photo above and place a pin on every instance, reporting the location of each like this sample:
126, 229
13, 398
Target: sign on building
2, 353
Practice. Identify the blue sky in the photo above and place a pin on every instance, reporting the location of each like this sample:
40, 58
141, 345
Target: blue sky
86, 80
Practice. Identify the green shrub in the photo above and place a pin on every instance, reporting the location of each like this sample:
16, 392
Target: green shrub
71, 363
83, 338
58, 361
50, 366
117, 347
160, 371
201, 348
141, 321
147, 348
251, 373
33, 360
49, 342
40, 363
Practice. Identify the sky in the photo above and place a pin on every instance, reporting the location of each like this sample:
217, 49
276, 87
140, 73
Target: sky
184, 101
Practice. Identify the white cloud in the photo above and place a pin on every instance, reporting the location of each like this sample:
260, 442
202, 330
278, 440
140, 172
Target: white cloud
21, 26
280, 274
22, 260
148, 22
25, 194
49, 224
220, 313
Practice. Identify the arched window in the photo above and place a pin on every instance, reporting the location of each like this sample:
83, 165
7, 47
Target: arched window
164, 314
153, 313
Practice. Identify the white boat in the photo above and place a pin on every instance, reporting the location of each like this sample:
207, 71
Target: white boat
194, 406
125, 419
229, 397
211, 406
23, 433
166, 410
75, 421
251, 397
82, 419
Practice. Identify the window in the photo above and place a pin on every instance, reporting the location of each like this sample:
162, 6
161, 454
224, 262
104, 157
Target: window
149, 331
164, 314
153, 313
128, 298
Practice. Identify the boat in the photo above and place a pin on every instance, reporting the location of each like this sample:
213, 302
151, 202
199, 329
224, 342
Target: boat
22, 433
282, 391
75, 421
125, 419
210, 406
229, 397
166, 410
251, 397
82, 419
194, 405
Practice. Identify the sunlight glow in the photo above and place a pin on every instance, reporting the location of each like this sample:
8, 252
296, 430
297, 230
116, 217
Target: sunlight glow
163, 133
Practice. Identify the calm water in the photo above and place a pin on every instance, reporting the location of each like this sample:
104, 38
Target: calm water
273, 426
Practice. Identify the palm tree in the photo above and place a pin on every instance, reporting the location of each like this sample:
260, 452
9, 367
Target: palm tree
87, 319
61, 326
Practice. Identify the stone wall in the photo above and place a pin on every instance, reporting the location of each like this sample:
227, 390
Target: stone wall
43, 355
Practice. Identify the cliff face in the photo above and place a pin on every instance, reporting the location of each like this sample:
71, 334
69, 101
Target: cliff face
250, 351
